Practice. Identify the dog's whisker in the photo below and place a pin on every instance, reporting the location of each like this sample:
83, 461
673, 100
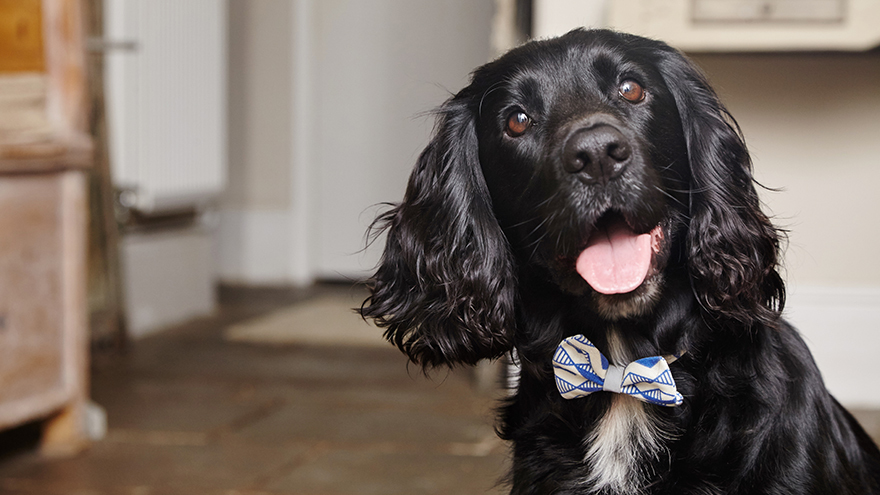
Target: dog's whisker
541, 237
527, 221
668, 195
546, 219
675, 161
535, 245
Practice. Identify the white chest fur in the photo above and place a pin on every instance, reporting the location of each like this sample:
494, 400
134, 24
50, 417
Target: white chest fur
619, 449
625, 440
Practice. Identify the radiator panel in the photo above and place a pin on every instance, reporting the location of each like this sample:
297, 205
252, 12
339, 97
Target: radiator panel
167, 100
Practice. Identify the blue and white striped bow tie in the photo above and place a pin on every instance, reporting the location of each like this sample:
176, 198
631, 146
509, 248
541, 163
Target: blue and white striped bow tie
581, 369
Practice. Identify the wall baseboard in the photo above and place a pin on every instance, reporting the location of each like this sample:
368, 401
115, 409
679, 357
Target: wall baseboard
168, 278
255, 247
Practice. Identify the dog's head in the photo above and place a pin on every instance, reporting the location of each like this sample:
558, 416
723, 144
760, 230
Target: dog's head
601, 164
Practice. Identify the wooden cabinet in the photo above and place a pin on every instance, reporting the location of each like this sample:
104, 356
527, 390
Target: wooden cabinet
44, 155
43, 340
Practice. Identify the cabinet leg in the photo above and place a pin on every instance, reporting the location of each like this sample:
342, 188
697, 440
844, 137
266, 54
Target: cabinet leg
64, 434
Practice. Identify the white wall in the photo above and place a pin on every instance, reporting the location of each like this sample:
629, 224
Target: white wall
812, 123
381, 66
254, 234
327, 116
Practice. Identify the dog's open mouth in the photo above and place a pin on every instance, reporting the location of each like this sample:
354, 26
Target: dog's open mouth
617, 259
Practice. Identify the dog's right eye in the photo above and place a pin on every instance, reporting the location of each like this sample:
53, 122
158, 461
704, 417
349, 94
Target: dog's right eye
517, 124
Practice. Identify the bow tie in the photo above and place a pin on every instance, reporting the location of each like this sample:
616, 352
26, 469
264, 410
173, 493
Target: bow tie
581, 369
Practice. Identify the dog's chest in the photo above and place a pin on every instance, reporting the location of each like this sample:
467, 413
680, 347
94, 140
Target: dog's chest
624, 443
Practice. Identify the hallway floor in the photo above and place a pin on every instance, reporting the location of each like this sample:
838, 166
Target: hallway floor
191, 413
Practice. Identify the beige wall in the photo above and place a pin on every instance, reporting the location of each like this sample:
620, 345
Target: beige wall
260, 61
812, 123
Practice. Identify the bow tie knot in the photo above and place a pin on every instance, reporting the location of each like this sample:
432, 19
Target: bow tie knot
581, 369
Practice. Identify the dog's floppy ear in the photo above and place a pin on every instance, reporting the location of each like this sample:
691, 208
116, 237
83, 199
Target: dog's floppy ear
444, 287
733, 248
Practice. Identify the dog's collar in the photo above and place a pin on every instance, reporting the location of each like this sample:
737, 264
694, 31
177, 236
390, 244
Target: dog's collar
580, 370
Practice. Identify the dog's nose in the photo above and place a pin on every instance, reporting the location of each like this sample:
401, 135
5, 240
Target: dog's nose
598, 153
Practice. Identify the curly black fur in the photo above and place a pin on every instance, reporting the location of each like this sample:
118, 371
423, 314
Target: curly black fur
480, 261
444, 289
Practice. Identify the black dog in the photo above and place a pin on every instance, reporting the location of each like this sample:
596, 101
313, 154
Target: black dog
594, 185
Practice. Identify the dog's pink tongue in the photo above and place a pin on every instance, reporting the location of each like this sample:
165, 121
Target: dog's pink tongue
616, 260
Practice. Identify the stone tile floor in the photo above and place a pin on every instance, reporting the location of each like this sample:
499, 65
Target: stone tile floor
190, 413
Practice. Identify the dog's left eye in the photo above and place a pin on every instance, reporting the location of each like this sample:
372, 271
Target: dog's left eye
517, 124
631, 91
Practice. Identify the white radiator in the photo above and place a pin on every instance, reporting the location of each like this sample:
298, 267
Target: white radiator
166, 100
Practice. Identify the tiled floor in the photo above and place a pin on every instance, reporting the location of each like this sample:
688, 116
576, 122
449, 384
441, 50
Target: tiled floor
192, 414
